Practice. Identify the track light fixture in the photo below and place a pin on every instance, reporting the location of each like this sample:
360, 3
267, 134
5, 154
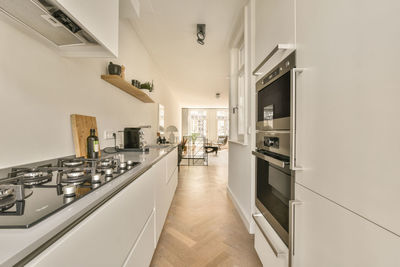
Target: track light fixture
201, 33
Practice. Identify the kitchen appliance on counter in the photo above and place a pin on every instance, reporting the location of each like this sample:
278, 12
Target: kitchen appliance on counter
134, 139
30, 194
274, 175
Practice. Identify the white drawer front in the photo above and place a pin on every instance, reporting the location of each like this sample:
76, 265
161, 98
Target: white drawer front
142, 253
330, 236
106, 236
263, 248
172, 163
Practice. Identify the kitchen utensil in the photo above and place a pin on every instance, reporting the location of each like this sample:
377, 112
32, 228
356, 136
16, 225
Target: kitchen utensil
81, 126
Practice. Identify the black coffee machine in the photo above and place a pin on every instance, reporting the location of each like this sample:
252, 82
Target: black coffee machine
132, 138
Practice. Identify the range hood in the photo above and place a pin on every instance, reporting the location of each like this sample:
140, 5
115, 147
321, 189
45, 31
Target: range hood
47, 19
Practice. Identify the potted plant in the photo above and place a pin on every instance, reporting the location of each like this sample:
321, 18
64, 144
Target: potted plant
147, 85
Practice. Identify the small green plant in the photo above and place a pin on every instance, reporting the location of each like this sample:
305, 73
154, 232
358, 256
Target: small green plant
194, 136
147, 85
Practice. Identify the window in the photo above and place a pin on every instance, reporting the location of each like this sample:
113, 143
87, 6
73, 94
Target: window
239, 89
198, 122
241, 102
241, 58
222, 122
161, 116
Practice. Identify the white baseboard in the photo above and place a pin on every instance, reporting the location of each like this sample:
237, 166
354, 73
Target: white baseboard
248, 222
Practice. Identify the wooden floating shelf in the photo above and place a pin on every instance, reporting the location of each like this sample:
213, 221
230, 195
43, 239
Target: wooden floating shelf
117, 81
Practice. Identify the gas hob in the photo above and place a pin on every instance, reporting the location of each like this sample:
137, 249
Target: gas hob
28, 195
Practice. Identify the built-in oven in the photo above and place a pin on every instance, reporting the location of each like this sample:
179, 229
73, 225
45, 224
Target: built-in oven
274, 176
274, 180
274, 95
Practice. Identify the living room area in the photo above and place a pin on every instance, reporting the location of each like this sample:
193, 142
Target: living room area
204, 132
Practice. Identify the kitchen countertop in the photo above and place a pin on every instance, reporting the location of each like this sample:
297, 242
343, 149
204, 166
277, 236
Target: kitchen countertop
16, 244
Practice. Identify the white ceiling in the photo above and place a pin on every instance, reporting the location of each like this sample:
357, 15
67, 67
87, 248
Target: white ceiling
167, 28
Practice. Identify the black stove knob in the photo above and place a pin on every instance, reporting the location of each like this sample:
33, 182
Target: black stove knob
268, 142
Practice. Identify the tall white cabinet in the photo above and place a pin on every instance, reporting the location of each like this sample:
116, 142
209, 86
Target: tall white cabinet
348, 105
347, 126
329, 235
274, 24
347, 111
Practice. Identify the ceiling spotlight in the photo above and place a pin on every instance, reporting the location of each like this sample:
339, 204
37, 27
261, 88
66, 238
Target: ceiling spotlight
201, 33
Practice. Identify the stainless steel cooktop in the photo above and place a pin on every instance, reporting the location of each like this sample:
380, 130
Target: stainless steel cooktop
30, 194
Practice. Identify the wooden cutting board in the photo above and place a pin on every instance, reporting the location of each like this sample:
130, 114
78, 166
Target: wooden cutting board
81, 126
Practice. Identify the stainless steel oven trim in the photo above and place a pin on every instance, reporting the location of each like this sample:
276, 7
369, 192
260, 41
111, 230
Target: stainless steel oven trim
282, 233
271, 54
282, 66
274, 125
273, 222
284, 141
271, 160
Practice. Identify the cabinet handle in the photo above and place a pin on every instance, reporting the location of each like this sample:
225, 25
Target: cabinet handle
277, 254
276, 49
271, 160
293, 119
292, 221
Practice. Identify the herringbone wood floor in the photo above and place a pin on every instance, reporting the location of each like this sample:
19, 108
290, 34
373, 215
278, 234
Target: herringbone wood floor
203, 227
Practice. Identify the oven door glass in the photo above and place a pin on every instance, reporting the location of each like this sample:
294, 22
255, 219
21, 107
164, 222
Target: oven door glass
274, 99
273, 110
274, 193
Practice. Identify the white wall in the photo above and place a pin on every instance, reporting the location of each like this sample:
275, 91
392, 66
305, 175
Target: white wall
40, 89
241, 182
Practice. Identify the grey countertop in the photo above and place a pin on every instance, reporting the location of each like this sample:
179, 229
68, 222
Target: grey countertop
16, 244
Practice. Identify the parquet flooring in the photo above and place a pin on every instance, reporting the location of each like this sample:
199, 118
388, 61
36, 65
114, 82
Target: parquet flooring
203, 227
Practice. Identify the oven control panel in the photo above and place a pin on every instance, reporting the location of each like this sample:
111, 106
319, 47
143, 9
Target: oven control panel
271, 141
272, 75
281, 69
276, 142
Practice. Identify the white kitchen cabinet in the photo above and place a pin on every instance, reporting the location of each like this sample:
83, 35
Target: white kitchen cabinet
160, 196
167, 180
264, 249
172, 163
100, 18
97, 21
142, 252
274, 25
329, 235
347, 106
171, 185
124, 231
107, 236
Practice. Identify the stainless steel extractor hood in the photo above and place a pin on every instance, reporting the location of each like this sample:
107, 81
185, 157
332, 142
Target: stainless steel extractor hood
48, 20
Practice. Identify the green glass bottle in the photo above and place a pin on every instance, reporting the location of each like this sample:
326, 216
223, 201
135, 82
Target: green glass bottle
93, 145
